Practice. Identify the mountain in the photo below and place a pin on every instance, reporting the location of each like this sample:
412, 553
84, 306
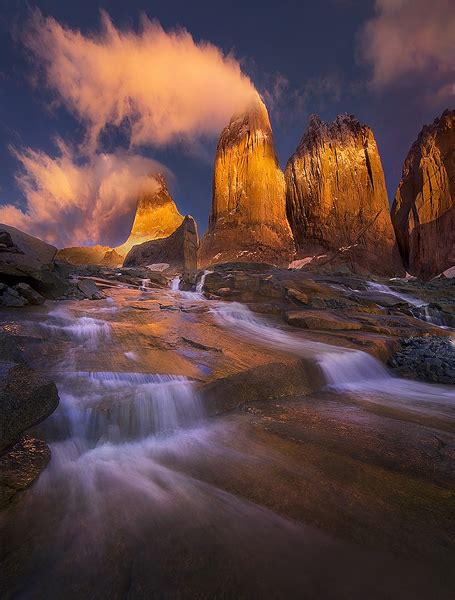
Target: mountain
178, 251
336, 198
248, 218
156, 215
423, 211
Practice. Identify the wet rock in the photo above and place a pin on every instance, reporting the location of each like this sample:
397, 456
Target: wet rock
90, 289
20, 466
428, 358
27, 292
264, 383
11, 298
26, 398
313, 319
10, 351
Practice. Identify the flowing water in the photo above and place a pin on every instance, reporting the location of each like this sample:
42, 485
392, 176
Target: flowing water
133, 503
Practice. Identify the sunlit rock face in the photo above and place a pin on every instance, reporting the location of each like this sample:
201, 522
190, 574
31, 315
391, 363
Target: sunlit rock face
156, 215
337, 198
179, 250
423, 212
248, 219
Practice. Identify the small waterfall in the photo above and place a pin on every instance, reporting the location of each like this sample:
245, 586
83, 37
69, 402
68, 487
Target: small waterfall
175, 283
384, 289
200, 283
345, 370
145, 284
90, 332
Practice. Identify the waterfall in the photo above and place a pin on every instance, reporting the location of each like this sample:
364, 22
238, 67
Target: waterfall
384, 289
175, 283
200, 284
344, 370
145, 284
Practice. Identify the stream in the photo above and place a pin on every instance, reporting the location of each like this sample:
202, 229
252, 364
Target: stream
145, 496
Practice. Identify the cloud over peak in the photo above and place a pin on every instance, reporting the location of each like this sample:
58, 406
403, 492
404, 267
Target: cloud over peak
161, 86
73, 202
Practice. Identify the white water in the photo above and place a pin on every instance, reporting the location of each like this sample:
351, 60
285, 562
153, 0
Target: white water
145, 284
175, 283
345, 370
200, 283
384, 289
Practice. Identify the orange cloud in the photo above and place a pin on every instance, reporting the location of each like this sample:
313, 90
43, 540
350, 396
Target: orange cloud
74, 203
162, 86
411, 38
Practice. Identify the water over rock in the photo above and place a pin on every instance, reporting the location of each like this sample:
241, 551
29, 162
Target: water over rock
248, 218
423, 211
337, 199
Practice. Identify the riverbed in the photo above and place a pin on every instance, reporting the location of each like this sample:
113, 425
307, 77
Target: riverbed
343, 488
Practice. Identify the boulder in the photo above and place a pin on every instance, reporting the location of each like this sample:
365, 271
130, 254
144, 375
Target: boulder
337, 201
248, 218
179, 250
23, 243
423, 211
21, 466
27, 292
26, 398
10, 297
90, 290
29, 260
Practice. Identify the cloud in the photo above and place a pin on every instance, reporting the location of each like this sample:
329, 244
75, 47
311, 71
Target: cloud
159, 86
408, 40
70, 202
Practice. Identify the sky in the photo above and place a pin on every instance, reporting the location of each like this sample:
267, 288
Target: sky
94, 97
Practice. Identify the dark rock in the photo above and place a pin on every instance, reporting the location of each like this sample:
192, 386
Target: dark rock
179, 250
20, 466
9, 349
11, 298
26, 398
427, 358
90, 290
27, 244
27, 292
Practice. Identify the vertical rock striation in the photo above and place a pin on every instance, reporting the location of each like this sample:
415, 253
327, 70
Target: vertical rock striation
423, 211
336, 200
248, 218
156, 215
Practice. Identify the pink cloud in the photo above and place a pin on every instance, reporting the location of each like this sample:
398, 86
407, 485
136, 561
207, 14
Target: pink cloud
70, 202
411, 39
162, 85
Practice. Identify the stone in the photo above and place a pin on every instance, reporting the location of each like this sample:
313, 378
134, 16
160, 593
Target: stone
90, 290
248, 217
156, 215
11, 298
337, 202
179, 250
26, 398
27, 292
423, 211
23, 243
10, 351
315, 319
20, 466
